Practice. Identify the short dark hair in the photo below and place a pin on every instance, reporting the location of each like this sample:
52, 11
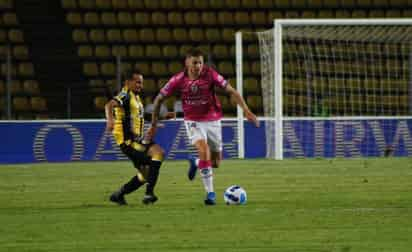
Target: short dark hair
128, 74
194, 52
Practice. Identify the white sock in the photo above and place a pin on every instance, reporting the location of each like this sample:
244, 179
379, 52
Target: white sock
197, 162
207, 178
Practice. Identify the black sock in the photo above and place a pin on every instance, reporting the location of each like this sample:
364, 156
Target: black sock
131, 186
153, 175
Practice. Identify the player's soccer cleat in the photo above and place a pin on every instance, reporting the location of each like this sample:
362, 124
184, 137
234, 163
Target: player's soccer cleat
210, 198
191, 173
149, 199
118, 199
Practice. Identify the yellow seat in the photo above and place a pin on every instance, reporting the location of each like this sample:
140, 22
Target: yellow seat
326, 14
242, 18
159, 18
226, 68
91, 19
97, 35
90, 69
159, 69
282, 3
3, 35
266, 4
208, 18
152, 4
175, 67
80, 36
4, 69
87, 4
100, 102
308, 14
225, 18
68, 4
84, 51
108, 18
192, 18
119, 50
184, 49
220, 51
205, 49
213, 35
38, 104
228, 35
120, 4
200, 4
102, 51
196, 35
153, 51
175, 18
376, 14
272, 15
2, 89
136, 51
21, 104
170, 51
163, 35
292, 14
108, 69
251, 86
180, 35
136, 4
74, 18
216, 4
103, 4
144, 68
233, 4
16, 36
142, 18
393, 13
259, 18
130, 36
185, 4
147, 35
168, 5
359, 14
125, 18
150, 86
114, 36
10, 19
21, 52
249, 4
26, 69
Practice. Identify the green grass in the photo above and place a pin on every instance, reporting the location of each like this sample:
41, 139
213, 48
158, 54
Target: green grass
293, 205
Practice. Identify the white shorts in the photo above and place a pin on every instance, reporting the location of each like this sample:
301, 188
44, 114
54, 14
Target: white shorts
209, 131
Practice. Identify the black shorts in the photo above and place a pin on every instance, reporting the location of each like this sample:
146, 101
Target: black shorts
137, 153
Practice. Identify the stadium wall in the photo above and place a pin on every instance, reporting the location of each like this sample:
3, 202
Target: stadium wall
87, 140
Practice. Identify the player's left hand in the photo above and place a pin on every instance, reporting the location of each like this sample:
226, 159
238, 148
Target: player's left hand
150, 134
252, 118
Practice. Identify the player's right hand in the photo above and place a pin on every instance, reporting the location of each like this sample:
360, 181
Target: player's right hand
150, 134
252, 118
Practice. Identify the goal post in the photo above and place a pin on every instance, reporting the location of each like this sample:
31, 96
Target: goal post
331, 83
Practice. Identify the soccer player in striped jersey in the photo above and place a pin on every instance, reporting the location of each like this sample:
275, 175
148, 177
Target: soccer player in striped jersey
125, 118
202, 111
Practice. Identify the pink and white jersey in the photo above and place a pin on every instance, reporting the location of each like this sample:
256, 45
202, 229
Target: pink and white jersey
199, 100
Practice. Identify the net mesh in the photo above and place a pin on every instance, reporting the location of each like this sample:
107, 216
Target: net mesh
336, 71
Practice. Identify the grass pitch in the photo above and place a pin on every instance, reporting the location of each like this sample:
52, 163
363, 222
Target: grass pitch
293, 205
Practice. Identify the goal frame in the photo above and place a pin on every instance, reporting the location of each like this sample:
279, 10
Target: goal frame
278, 26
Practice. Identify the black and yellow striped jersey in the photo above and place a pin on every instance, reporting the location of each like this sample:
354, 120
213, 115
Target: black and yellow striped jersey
128, 117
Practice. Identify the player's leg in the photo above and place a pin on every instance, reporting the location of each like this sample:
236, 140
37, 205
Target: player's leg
157, 155
198, 137
135, 182
214, 139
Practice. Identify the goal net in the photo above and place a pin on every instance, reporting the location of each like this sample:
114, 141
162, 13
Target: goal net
335, 88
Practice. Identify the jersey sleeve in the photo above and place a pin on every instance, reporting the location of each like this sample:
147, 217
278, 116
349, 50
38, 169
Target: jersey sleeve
218, 79
121, 98
171, 86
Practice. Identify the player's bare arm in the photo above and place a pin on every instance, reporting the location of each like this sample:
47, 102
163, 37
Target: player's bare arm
108, 109
155, 116
241, 102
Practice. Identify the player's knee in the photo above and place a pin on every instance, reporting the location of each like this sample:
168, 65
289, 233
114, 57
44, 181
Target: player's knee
215, 163
157, 153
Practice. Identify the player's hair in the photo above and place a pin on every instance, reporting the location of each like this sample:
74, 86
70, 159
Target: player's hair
194, 52
128, 74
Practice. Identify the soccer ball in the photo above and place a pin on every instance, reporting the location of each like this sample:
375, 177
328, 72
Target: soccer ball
235, 195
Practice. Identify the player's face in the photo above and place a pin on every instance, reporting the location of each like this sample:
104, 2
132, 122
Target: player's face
136, 83
194, 65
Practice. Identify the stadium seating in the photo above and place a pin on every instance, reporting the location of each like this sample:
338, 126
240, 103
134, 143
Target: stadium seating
155, 34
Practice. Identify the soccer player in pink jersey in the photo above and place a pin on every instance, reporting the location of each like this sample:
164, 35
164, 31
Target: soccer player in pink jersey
202, 111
